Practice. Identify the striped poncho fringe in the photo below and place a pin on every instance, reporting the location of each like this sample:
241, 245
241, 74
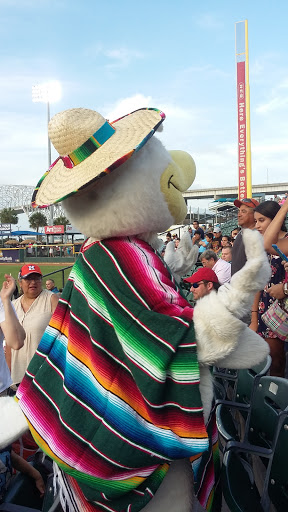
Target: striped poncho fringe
112, 393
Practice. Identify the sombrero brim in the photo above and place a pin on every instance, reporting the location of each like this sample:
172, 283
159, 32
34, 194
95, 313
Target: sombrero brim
131, 133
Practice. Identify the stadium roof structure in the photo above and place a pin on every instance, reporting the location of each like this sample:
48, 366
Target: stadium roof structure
29, 233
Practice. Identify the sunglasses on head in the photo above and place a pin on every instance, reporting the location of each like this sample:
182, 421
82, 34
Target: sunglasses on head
248, 201
196, 285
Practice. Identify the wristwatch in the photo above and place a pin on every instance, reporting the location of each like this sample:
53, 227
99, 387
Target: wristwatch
285, 288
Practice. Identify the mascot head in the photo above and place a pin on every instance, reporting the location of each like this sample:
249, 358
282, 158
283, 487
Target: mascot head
115, 179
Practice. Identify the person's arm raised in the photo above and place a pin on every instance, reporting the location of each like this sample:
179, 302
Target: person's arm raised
271, 235
13, 331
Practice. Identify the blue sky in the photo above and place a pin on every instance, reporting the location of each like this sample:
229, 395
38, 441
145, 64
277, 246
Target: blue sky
177, 56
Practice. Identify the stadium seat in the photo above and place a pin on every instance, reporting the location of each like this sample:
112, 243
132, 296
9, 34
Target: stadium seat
254, 472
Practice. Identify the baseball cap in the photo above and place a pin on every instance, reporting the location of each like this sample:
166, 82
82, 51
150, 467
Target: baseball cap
202, 274
217, 230
251, 203
26, 270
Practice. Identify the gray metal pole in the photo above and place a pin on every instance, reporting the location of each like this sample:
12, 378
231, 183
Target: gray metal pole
49, 162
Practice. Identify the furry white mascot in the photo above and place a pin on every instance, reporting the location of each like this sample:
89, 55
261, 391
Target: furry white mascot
119, 392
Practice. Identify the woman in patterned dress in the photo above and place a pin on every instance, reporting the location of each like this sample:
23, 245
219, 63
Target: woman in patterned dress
264, 214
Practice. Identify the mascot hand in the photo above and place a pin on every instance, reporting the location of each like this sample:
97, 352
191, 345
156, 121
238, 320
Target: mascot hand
13, 423
181, 260
238, 295
219, 330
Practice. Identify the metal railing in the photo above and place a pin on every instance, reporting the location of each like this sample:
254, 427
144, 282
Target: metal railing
62, 270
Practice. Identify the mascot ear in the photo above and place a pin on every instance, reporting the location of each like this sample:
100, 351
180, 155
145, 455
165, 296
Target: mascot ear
186, 163
176, 178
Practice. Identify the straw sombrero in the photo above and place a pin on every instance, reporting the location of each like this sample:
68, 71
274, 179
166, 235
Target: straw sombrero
90, 148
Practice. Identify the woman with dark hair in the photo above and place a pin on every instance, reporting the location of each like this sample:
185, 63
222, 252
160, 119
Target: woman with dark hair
226, 240
264, 214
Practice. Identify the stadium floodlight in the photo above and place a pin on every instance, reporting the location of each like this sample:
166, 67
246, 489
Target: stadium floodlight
48, 92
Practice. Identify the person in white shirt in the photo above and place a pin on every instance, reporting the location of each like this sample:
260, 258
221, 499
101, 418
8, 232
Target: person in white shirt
10, 330
221, 268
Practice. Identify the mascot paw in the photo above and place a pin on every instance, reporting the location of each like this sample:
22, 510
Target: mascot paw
238, 296
218, 333
223, 339
13, 423
181, 260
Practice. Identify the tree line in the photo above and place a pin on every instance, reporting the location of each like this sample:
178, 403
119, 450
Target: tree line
37, 220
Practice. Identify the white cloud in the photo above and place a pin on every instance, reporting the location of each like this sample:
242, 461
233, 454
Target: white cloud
270, 106
126, 105
209, 22
122, 57
117, 57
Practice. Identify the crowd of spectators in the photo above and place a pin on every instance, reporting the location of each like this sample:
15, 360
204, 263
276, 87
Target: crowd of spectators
224, 255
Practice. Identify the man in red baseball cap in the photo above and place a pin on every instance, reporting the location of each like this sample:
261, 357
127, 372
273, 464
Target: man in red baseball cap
248, 201
245, 221
203, 281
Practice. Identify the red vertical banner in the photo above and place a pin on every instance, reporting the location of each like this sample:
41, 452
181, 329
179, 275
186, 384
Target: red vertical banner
241, 107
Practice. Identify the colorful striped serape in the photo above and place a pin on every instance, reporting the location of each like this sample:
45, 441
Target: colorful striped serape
112, 393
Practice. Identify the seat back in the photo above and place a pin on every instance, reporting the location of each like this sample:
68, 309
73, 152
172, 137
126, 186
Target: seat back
270, 401
268, 441
278, 478
248, 380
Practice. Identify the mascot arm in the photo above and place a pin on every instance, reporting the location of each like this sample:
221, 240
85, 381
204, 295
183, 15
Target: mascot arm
217, 322
181, 260
238, 295
13, 423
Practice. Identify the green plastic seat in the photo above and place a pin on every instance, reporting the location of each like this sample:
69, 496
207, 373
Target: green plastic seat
266, 448
231, 415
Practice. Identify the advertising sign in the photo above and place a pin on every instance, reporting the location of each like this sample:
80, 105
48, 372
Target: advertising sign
4, 229
70, 230
10, 256
54, 230
242, 126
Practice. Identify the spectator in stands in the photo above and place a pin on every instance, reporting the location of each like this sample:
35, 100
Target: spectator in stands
203, 245
234, 233
34, 309
246, 221
221, 268
9, 460
203, 281
264, 215
226, 254
209, 239
216, 247
226, 240
190, 230
196, 227
168, 238
10, 329
272, 233
197, 237
50, 285
217, 234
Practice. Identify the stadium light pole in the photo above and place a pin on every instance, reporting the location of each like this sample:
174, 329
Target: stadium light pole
48, 92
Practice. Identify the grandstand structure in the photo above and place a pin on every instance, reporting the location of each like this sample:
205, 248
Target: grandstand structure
18, 197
